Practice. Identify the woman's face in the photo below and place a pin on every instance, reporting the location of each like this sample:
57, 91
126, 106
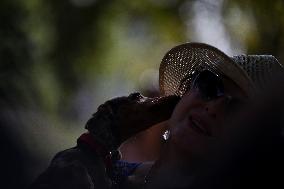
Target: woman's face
198, 121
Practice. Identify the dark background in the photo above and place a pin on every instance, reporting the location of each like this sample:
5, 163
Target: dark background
60, 59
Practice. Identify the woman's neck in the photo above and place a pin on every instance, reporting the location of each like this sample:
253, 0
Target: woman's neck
172, 169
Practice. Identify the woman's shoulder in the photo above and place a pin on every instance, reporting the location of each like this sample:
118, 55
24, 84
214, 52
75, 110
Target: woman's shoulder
131, 175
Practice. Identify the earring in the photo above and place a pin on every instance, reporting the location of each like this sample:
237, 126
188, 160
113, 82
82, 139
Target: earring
166, 135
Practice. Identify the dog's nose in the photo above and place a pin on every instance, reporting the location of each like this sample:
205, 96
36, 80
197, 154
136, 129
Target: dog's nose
135, 96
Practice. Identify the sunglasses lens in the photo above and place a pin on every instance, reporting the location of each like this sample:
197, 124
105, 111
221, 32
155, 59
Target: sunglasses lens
209, 85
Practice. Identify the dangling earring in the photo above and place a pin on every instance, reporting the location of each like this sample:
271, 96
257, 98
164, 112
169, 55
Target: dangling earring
166, 135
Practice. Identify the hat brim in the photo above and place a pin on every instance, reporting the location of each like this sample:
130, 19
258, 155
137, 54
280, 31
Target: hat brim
181, 62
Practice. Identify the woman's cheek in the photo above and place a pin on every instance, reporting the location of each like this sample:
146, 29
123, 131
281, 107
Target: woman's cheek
180, 112
188, 102
188, 141
179, 133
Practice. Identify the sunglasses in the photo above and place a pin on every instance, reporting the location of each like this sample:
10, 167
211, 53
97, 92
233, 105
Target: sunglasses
209, 85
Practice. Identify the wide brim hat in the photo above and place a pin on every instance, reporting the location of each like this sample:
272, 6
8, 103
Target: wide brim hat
249, 72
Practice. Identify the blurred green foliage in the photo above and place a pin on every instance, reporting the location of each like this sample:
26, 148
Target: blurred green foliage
59, 59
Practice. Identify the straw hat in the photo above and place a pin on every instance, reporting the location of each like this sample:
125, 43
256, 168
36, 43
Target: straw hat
249, 72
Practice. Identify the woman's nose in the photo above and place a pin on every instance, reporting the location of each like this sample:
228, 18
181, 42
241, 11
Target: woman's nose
216, 107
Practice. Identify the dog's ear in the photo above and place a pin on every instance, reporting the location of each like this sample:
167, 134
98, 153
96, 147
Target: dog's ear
105, 112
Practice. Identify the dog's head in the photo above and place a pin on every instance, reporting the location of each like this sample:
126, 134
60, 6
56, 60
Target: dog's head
122, 117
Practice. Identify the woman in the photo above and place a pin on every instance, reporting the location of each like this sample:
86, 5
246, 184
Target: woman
205, 93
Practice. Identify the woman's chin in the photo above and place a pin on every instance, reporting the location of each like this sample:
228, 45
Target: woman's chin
190, 142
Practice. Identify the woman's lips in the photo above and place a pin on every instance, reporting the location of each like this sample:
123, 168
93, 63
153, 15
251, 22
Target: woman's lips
198, 127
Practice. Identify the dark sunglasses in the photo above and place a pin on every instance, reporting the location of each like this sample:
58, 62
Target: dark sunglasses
209, 85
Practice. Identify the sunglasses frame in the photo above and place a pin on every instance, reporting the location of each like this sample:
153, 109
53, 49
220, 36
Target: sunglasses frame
206, 94
188, 82
233, 104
